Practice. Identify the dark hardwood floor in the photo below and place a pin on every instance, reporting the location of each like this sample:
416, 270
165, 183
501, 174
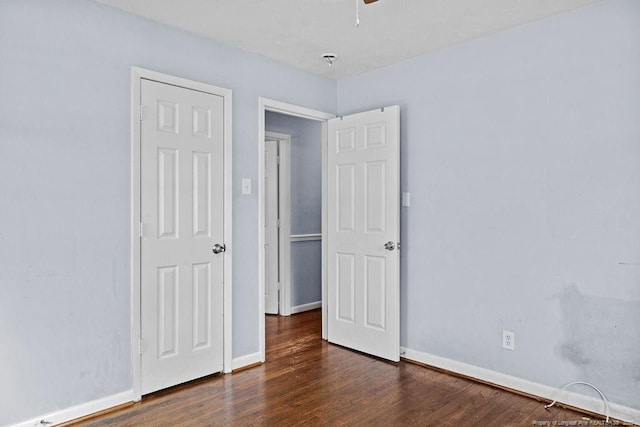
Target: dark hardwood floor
306, 381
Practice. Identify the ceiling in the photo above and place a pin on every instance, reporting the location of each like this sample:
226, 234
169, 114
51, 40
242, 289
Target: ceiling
298, 32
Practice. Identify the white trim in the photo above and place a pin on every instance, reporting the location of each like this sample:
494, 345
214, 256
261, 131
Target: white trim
79, 411
588, 403
305, 237
284, 182
137, 74
246, 360
228, 228
325, 219
261, 231
306, 307
264, 105
294, 110
135, 236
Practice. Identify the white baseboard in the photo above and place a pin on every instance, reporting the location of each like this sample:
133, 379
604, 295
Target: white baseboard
620, 412
79, 411
306, 307
591, 404
88, 408
246, 360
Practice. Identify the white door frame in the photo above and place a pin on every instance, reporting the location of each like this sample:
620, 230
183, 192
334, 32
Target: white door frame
284, 208
264, 105
137, 74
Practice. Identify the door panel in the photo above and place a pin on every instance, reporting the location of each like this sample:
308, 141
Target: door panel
167, 193
363, 215
346, 189
182, 184
167, 311
201, 209
374, 289
374, 193
346, 286
201, 306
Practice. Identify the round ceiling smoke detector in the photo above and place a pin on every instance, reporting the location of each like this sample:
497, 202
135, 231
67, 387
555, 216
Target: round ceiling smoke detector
330, 58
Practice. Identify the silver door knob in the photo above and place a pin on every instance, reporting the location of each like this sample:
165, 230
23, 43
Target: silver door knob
389, 246
218, 248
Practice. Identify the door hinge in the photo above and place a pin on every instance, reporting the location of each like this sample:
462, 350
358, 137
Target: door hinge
278, 159
141, 113
141, 346
278, 223
141, 228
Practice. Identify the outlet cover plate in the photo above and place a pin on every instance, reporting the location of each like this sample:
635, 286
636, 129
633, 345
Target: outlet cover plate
508, 340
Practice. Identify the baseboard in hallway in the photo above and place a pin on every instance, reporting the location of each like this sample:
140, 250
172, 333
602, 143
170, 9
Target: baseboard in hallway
306, 307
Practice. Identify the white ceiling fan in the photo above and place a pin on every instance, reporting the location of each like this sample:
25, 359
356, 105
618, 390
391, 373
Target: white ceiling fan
358, 9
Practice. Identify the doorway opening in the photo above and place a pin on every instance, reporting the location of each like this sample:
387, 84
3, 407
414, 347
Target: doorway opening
293, 214
291, 194
360, 236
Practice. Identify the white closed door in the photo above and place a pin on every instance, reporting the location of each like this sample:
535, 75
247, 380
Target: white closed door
363, 232
181, 222
271, 223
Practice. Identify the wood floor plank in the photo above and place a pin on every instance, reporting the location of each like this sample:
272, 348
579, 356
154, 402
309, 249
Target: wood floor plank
308, 382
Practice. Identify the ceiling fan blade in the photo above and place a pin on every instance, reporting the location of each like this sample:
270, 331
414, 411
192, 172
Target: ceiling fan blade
369, 1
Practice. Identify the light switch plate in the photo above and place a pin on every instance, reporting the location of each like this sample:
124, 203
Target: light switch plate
406, 199
246, 186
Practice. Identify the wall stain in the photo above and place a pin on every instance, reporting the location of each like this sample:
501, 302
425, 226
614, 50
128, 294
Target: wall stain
601, 338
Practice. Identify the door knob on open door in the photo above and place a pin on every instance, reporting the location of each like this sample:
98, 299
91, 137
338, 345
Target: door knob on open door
389, 246
218, 248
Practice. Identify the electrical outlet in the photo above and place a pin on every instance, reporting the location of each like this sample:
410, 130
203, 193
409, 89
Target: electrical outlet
509, 340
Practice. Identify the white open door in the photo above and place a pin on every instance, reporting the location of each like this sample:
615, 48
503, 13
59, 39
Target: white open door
182, 206
363, 232
272, 228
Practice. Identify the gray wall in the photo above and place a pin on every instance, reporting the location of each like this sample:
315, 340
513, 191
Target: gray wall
65, 316
520, 150
522, 154
306, 203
